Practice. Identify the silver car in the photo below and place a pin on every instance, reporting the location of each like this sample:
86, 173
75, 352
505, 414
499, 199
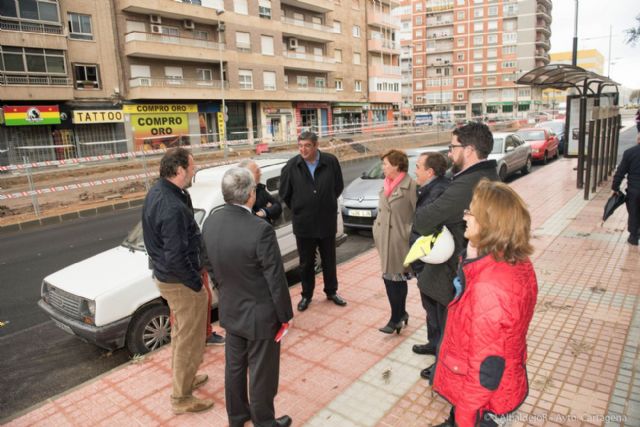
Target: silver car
512, 154
359, 201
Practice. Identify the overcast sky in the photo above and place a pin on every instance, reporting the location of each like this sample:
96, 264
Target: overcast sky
594, 19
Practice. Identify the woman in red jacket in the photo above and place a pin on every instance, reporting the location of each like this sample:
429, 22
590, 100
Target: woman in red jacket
481, 367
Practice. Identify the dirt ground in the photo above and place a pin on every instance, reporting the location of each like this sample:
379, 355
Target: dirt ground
13, 211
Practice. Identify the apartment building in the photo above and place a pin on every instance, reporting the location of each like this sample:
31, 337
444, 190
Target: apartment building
154, 73
59, 80
468, 54
405, 36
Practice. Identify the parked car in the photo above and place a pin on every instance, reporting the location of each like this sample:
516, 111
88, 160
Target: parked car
359, 201
557, 126
543, 142
110, 299
511, 153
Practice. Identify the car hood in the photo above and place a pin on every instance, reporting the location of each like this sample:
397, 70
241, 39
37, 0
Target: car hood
536, 143
102, 273
365, 189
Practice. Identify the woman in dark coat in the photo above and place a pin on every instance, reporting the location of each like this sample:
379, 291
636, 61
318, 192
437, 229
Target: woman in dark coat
391, 231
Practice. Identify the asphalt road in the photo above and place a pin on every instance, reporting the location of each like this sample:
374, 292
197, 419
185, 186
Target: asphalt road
37, 359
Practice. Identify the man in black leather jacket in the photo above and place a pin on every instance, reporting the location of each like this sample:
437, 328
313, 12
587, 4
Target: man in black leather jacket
173, 242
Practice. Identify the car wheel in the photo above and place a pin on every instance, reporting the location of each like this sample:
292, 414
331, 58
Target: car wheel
527, 167
149, 329
503, 173
545, 158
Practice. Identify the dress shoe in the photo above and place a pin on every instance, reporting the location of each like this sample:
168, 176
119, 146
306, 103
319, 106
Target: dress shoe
190, 404
215, 339
427, 372
633, 240
392, 327
304, 304
199, 380
337, 300
424, 349
284, 421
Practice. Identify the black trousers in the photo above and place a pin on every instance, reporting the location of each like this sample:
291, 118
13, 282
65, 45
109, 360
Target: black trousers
397, 295
261, 358
436, 316
633, 208
307, 251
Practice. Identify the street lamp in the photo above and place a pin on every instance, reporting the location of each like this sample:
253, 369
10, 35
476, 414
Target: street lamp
224, 106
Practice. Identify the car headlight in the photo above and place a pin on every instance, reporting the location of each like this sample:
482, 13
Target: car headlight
44, 291
88, 310
535, 151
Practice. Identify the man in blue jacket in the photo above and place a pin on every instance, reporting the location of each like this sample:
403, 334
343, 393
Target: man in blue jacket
630, 166
172, 240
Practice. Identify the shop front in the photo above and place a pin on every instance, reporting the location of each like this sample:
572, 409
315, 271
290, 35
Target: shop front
32, 133
158, 126
313, 116
99, 132
381, 116
209, 122
278, 122
348, 117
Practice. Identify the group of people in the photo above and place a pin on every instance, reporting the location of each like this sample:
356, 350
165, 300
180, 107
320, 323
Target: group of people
478, 303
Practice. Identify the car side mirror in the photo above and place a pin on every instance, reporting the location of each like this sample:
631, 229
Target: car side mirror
363, 174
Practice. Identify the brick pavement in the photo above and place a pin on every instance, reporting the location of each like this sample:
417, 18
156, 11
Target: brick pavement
338, 370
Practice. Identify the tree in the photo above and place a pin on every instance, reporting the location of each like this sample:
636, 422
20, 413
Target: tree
633, 34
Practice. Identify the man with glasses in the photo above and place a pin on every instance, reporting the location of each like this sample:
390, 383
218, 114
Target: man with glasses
310, 185
468, 151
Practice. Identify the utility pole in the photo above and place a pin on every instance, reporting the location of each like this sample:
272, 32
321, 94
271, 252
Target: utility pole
609, 62
574, 57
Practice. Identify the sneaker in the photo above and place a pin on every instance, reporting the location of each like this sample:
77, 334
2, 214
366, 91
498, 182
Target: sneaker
199, 380
215, 339
190, 404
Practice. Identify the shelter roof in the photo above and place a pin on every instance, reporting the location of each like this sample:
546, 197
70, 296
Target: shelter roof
563, 76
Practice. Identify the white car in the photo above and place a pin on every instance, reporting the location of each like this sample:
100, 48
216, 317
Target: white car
512, 154
110, 299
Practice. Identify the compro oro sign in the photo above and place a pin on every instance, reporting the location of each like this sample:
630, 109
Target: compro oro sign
86, 117
160, 126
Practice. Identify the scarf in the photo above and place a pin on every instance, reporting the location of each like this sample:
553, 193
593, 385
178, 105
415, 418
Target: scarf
390, 185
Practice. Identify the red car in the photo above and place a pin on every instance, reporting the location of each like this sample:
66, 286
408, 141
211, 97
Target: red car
544, 143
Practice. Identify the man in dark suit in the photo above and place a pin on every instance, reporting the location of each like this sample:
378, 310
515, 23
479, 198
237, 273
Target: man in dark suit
310, 185
243, 258
630, 167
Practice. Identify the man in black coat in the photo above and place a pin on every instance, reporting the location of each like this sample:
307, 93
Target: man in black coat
310, 185
244, 261
266, 206
430, 176
630, 166
468, 151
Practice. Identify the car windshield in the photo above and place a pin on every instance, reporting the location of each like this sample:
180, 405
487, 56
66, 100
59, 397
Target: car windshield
532, 135
556, 127
375, 171
497, 145
135, 241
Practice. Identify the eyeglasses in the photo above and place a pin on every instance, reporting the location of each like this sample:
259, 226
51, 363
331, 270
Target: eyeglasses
452, 146
467, 212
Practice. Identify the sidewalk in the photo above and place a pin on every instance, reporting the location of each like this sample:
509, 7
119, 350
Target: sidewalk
338, 370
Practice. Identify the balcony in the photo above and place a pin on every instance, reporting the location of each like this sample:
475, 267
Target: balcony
381, 19
307, 30
546, 3
390, 97
544, 14
431, 23
311, 93
439, 5
544, 43
30, 27
304, 61
319, 6
21, 87
378, 70
151, 88
151, 45
442, 35
384, 46
15, 33
440, 47
202, 11
543, 27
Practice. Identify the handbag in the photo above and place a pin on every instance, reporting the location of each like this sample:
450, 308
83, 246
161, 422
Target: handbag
435, 248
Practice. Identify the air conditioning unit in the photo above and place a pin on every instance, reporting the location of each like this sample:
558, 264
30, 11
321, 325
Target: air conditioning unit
188, 24
155, 19
293, 43
157, 29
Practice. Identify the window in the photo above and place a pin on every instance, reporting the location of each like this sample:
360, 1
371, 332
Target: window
524, 92
510, 9
356, 58
477, 68
173, 75
509, 64
243, 41
38, 10
418, 59
492, 11
477, 27
302, 82
478, 12
492, 67
337, 26
492, 25
269, 80
459, 82
264, 9
266, 44
245, 79
460, 69
477, 41
357, 86
419, 72
460, 56
460, 2
86, 76
460, 42
46, 61
509, 38
419, 85
320, 82
492, 39
204, 76
492, 53
337, 55
355, 31
509, 25
419, 20
460, 96
477, 81
418, 34
477, 54
419, 6
338, 84
240, 7
461, 15
508, 50
200, 35
80, 27
460, 28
